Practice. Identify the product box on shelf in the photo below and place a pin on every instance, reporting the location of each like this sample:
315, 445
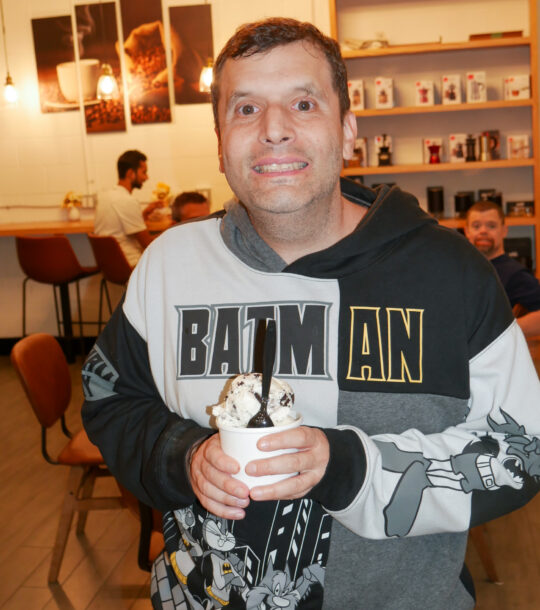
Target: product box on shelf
424, 93
430, 148
457, 147
517, 146
382, 142
359, 158
493, 144
451, 89
520, 208
517, 87
476, 87
356, 94
384, 92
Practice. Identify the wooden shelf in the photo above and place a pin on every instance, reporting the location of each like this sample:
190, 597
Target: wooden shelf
420, 168
400, 110
438, 47
511, 221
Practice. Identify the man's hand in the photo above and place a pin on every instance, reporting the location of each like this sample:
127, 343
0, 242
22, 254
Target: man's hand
310, 461
212, 483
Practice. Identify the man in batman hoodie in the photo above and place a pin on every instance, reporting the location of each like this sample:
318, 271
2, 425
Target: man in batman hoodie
419, 397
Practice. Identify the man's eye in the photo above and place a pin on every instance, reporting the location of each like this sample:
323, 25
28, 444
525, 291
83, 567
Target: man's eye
247, 109
304, 105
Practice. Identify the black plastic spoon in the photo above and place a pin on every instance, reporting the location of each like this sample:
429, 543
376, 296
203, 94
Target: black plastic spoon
261, 419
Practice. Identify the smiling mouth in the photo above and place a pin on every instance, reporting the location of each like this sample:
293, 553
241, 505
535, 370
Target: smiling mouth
276, 168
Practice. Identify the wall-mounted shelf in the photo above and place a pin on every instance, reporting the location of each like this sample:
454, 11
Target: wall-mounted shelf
419, 168
438, 47
511, 221
399, 110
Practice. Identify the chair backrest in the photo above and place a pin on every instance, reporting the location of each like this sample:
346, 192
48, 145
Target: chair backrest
110, 258
48, 258
44, 373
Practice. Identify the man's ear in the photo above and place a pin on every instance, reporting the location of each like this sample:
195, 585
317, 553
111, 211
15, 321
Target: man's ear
220, 152
349, 134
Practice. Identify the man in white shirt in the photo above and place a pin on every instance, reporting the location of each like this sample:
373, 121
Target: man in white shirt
119, 213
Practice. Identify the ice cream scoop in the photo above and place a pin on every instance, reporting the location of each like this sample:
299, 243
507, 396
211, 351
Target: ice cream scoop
242, 402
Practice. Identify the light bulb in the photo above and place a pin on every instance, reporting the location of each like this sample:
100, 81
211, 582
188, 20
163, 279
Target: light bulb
207, 73
10, 93
107, 87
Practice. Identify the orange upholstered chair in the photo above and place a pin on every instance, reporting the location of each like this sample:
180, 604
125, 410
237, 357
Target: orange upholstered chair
45, 377
113, 265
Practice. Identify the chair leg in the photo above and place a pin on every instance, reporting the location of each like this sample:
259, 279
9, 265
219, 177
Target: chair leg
86, 492
103, 289
108, 297
478, 536
64, 522
56, 311
100, 315
24, 306
80, 316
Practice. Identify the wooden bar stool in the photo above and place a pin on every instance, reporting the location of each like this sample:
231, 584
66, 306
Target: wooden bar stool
50, 259
112, 263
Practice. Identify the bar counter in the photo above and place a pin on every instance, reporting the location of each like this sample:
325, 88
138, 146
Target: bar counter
67, 227
42, 228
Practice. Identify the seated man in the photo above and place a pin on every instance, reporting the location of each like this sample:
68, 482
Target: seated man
485, 229
118, 212
189, 204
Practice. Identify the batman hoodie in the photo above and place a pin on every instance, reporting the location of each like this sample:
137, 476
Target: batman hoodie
399, 344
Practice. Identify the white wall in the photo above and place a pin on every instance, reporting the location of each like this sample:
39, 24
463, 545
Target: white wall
42, 156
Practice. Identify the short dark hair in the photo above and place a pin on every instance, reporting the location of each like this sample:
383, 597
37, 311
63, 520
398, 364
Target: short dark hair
131, 159
484, 206
183, 199
262, 36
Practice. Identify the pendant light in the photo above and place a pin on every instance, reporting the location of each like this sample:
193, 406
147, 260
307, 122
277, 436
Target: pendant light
207, 74
107, 87
10, 93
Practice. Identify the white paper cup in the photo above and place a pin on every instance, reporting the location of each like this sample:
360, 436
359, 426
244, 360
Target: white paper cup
67, 79
241, 444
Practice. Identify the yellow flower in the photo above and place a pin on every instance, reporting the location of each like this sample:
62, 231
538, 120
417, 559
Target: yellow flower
72, 199
162, 191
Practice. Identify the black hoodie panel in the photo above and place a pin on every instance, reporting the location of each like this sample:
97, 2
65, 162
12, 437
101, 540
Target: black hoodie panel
414, 299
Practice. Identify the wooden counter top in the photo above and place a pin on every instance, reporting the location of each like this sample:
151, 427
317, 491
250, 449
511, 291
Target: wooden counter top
42, 228
66, 227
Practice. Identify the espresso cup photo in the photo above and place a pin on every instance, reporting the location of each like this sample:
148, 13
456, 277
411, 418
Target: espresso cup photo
67, 79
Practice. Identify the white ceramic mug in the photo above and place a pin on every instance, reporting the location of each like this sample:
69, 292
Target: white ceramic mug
67, 79
241, 444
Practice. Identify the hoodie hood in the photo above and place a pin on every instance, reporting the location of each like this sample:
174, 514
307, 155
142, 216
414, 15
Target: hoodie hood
391, 217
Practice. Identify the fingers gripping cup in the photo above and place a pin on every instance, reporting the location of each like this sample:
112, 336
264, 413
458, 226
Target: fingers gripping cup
233, 415
241, 444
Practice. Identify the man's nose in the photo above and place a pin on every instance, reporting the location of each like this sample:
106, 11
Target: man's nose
276, 126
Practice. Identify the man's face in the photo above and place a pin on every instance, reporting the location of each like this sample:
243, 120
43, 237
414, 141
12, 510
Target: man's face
486, 231
281, 139
140, 176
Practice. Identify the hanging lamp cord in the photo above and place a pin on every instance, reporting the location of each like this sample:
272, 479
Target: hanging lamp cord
4, 35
